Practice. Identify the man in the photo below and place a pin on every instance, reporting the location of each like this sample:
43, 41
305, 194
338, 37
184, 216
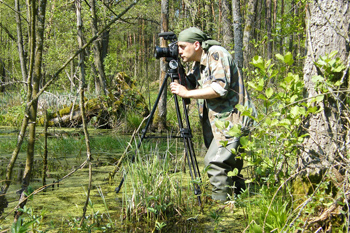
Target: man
215, 82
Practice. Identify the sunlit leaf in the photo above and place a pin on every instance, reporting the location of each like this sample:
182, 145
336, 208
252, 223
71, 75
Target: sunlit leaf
244, 141
233, 173
269, 92
288, 58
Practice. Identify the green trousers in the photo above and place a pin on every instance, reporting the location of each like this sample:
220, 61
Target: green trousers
220, 161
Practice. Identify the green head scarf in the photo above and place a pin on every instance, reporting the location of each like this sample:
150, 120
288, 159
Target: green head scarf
193, 34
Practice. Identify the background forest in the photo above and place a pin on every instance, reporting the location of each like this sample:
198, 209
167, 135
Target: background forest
90, 65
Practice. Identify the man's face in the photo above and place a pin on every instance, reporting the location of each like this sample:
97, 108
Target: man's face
188, 51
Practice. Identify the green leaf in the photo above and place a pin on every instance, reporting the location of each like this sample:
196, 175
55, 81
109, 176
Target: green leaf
337, 83
240, 107
261, 85
233, 173
332, 54
235, 131
285, 123
317, 79
295, 111
312, 109
319, 98
288, 58
220, 124
274, 73
339, 68
252, 85
269, 92
261, 96
244, 141
233, 151
258, 62
249, 181
223, 143
280, 57
274, 114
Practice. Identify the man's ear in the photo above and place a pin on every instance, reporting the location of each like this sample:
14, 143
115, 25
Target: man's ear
197, 45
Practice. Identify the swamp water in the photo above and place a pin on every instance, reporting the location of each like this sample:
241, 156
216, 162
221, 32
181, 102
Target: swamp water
59, 208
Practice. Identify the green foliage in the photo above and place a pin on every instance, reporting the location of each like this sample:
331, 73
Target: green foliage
13, 117
33, 222
281, 110
332, 69
133, 120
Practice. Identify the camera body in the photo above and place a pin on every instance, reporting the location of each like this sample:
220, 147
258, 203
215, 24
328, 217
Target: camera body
171, 52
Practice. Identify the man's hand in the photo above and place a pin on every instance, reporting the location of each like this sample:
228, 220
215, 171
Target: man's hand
178, 89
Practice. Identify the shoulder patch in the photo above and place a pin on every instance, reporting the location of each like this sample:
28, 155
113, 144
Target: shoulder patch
215, 56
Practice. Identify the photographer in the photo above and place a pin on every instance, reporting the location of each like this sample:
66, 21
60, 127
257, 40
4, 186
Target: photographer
215, 82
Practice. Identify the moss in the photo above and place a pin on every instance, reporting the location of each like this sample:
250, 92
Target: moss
65, 111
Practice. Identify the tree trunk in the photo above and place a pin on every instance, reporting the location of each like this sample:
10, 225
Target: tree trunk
327, 30
208, 18
237, 27
20, 44
160, 119
248, 29
37, 36
268, 29
227, 32
282, 37
101, 82
291, 37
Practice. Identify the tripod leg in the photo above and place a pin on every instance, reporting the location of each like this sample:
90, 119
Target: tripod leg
189, 151
144, 131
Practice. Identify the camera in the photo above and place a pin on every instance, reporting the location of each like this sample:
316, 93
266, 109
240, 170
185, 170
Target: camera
170, 52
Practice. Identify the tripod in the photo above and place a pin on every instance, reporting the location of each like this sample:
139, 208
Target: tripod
185, 133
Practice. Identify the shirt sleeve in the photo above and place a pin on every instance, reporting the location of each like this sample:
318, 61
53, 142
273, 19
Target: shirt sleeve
219, 73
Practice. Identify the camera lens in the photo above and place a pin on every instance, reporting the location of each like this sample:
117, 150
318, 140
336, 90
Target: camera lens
161, 52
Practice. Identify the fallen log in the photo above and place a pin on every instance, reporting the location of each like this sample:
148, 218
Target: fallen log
105, 110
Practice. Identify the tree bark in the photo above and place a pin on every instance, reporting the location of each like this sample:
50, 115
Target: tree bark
268, 29
159, 121
327, 30
248, 29
237, 27
20, 44
291, 37
282, 37
227, 32
97, 48
37, 37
